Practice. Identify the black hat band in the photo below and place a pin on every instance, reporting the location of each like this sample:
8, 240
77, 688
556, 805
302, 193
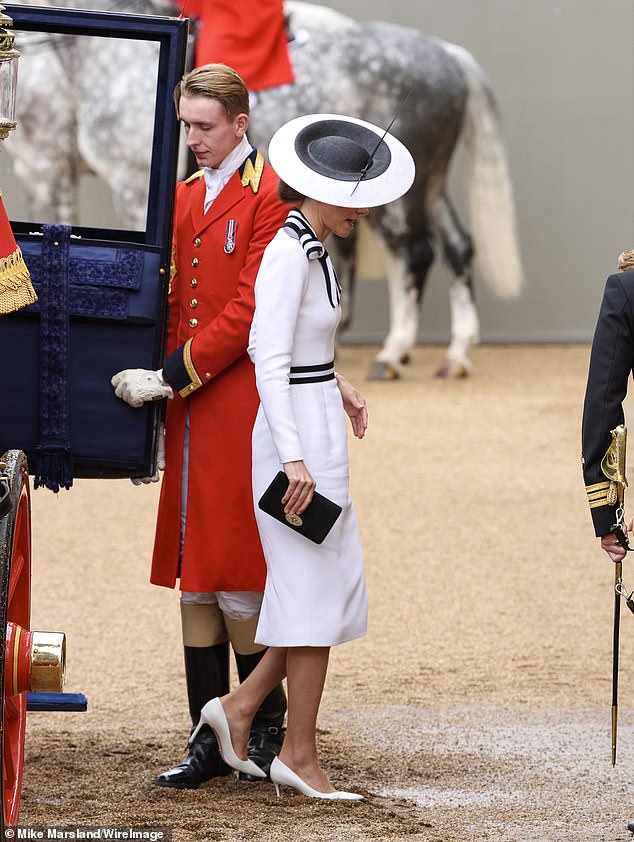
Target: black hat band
341, 150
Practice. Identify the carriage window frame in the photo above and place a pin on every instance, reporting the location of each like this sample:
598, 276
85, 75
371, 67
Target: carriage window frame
171, 35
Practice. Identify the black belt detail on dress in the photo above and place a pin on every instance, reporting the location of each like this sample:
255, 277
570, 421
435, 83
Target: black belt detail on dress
312, 378
317, 378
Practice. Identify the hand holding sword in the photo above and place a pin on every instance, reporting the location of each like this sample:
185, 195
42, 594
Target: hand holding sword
616, 546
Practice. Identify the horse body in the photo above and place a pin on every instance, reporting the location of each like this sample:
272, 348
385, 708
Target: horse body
75, 105
374, 71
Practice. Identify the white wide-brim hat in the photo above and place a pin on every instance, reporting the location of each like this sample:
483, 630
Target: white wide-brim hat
341, 161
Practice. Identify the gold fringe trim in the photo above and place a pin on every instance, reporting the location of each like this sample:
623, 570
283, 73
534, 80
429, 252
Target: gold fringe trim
16, 289
613, 494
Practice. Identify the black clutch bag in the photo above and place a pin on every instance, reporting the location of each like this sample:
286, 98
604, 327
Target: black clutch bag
314, 523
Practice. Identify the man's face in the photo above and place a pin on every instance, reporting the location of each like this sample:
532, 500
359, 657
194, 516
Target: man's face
211, 135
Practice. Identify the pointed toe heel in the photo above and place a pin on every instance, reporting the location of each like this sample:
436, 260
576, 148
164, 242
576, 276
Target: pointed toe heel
281, 774
213, 714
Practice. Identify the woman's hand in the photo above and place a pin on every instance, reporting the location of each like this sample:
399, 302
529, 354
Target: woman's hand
301, 487
354, 405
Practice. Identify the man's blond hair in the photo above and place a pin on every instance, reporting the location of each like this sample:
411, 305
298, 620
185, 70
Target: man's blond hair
216, 81
626, 260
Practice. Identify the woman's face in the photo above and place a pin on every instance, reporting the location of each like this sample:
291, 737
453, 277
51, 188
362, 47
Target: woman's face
341, 221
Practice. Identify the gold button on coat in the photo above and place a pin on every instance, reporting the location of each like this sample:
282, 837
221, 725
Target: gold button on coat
193, 282
197, 242
193, 322
193, 303
195, 262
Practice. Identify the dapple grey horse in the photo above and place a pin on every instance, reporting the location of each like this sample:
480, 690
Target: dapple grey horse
79, 107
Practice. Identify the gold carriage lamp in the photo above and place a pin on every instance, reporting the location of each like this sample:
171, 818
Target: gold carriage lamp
8, 75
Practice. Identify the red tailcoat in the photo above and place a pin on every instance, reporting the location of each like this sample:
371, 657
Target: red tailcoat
248, 35
211, 304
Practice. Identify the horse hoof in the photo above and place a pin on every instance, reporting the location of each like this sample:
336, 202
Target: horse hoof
453, 370
406, 359
384, 371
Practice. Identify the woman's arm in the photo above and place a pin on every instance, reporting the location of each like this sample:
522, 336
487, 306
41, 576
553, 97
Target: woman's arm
279, 290
354, 405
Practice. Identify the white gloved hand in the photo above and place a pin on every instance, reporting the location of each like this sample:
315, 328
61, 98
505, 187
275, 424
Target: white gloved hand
160, 461
135, 386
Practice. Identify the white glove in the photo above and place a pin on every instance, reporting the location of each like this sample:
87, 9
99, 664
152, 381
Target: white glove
160, 461
138, 385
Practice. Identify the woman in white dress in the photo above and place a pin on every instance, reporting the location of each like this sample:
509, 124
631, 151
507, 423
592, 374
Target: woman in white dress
332, 169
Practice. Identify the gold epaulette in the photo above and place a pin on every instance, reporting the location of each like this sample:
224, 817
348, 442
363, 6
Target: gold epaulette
16, 289
194, 177
598, 494
195, 381
252, 175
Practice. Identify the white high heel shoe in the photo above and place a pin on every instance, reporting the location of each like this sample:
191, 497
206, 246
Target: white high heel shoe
281, 774
213, 714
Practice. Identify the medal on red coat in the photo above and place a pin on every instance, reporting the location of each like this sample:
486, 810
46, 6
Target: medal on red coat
230, 236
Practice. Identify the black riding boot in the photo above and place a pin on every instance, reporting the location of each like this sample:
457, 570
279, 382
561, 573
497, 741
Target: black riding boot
207, 675
267, 732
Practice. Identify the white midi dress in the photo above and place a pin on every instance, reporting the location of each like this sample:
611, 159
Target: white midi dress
315, 594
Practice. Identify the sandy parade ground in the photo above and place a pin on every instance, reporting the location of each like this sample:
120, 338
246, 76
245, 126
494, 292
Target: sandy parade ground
477, 708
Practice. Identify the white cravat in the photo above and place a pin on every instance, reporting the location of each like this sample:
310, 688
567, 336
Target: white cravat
216, 178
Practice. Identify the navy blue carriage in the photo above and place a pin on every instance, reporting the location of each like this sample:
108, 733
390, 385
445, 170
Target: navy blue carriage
101, 308
102, 300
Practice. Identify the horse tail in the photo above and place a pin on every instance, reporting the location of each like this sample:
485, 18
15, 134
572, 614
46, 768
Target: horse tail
491, 204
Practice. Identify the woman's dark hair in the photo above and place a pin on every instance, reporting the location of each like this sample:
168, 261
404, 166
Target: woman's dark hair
288, 195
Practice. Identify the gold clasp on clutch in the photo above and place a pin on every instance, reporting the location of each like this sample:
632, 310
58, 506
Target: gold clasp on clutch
294, 520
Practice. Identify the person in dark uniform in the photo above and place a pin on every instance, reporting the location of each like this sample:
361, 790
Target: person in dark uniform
611, 363
206, 534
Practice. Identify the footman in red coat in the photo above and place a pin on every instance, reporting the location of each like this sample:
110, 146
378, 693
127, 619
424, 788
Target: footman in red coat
206, 535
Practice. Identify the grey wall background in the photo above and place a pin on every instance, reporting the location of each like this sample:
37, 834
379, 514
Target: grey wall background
563, 75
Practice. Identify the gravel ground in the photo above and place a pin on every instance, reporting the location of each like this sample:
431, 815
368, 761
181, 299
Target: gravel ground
477, 708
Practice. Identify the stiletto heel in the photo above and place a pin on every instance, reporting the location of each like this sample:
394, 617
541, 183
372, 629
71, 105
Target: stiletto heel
213, 714
278, 789
192, 737
281, 774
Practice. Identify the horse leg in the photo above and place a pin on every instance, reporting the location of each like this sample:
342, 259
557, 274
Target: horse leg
408, 262
458, 254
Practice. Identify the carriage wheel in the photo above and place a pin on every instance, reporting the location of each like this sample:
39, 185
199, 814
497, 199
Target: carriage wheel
15, 608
